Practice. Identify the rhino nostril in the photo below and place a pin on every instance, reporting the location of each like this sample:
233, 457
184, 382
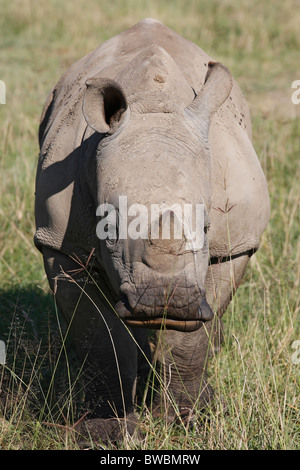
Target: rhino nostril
205, 312
122, 307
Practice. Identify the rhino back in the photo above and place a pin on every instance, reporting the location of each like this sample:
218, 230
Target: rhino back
63, 129
64, 206
108, 60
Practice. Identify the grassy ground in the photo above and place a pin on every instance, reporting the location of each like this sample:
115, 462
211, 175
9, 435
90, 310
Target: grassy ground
256, 374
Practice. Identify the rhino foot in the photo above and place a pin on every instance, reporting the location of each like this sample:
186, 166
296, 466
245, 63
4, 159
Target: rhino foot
187, 409
99, 432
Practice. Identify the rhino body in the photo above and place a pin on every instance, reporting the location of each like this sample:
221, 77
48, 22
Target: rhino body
150, 116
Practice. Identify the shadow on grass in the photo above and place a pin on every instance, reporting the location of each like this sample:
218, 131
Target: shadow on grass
40, 375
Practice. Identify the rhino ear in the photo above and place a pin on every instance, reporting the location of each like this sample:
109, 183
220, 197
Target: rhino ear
216, 89
104, 105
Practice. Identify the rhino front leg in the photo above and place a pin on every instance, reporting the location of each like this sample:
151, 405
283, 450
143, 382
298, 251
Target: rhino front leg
104, 346
181, 357
181, 360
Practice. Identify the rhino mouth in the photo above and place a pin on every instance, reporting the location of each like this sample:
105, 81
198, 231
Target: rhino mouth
164, 317
157, 323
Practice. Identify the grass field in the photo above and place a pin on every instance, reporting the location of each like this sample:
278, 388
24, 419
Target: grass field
257, 371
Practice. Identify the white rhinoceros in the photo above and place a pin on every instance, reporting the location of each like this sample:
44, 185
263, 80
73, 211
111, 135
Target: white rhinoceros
149, 119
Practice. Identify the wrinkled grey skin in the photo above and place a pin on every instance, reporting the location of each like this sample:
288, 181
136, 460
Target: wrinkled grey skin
148, 115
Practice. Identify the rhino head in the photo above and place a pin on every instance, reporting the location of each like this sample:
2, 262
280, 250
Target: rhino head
153, 166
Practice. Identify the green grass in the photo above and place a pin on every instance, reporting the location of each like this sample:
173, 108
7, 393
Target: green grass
254, 376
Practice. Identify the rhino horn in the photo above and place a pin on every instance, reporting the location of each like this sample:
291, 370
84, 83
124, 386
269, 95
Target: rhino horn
104, 105
216, 89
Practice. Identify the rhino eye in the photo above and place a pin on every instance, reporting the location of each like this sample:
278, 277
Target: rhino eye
112, 234
107, 227
112, 230
206, 228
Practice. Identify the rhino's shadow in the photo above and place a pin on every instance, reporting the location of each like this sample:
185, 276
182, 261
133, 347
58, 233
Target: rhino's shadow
77, 169
41, 369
